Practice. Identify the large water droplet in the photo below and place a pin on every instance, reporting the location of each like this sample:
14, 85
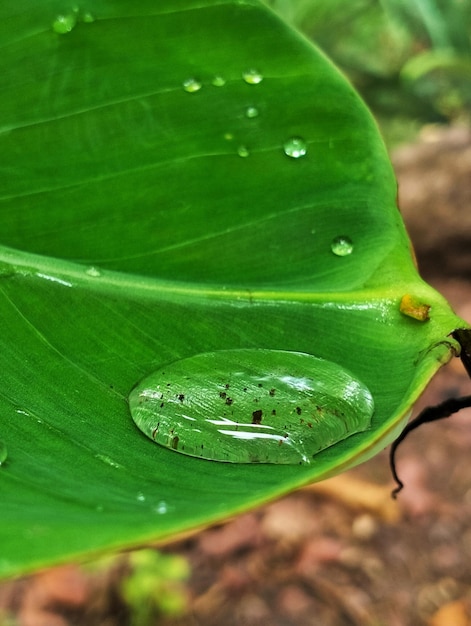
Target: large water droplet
342, 246
251, 112
3, 453
191, 85
243, 151
63, 24
252, 77
295, 147
251, 406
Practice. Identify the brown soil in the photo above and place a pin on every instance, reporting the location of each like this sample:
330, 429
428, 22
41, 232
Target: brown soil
340, 553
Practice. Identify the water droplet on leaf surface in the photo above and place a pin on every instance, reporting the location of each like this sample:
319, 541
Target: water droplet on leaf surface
63, 24
251, 112
218, 81
295, 147
191, 85
342, 246
252, 77
242, 151
93, 271
251, 406
3, 453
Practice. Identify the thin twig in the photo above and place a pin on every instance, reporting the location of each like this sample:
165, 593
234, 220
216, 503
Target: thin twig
430, 414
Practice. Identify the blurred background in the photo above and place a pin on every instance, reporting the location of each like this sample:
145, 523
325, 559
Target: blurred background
410, 59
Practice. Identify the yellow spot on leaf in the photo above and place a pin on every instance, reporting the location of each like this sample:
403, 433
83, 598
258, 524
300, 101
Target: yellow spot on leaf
415, 308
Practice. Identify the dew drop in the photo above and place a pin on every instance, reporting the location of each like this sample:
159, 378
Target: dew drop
191, 85
161, 508
242, 151
342, 246
295, 147
252, 77
251, 112
218, 81
108, 460
92, 271
285, 407
140, 497
63, 24
3, 453
88, 18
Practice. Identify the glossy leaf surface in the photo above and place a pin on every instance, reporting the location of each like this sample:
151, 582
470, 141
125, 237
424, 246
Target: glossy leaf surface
181, 177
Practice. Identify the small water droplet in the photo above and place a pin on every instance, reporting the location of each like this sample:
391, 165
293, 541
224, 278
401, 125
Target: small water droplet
3, 453
342, 246
94, 272
108, 460
63, 24
242, 151
228, 136
252, 77
295, 147
251, 112
161, 508
88, 18
218, 81
191, 85
140, 497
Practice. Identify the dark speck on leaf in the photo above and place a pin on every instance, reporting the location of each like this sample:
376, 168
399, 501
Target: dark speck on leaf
181, 397
162, 404
260, 385
227, 385
222, 394
298, 410
272, 392
257, 416
273, 412
175, 441
229, 401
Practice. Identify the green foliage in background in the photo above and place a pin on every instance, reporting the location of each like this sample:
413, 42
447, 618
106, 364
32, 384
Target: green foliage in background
155, 586
410, 59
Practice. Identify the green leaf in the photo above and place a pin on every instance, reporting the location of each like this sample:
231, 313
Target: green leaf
135, 233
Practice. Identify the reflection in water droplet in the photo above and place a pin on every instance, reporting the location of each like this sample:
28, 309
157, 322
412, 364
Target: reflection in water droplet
295, 147
63, 24
251, 112
251, 406
191, 85
242, 151
252, 77
218, 81
94, 272
342, 246
3, 453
